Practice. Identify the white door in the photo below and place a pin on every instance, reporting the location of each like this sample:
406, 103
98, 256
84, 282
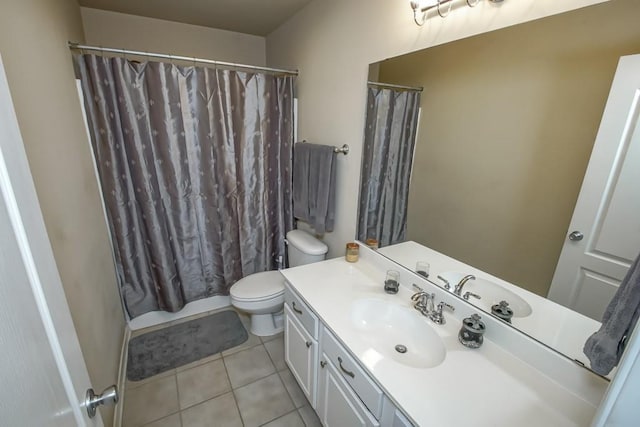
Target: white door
604, 234
44, 377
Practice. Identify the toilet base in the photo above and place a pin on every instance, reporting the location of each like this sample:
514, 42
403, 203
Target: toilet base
264, 325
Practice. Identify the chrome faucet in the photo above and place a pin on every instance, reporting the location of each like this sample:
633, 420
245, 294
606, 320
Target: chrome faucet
446, 285
458, 289
436, 315
423, 301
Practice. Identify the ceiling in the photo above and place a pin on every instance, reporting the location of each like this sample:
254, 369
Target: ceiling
258, 17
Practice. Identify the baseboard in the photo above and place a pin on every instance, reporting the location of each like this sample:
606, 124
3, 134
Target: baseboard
122, 377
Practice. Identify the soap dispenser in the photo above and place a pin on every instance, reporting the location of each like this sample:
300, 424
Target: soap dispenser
470, 334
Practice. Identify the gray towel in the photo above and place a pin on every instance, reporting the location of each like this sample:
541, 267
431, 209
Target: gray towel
604, 348
314, 181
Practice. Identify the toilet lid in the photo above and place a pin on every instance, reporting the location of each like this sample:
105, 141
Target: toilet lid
258, 285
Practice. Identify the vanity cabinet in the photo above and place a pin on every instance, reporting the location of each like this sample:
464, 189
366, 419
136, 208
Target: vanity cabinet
335, 384
301, 344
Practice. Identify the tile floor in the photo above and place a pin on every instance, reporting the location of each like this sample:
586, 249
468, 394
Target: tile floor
248, 385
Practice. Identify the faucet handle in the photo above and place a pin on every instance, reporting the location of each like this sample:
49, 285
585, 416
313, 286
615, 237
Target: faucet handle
470, 294
443, 304
417, 288
437, 316
446, 285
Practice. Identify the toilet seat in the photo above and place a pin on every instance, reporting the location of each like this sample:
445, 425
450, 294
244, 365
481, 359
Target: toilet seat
258, 287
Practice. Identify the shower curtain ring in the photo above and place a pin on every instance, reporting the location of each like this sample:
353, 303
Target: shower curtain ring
472, 4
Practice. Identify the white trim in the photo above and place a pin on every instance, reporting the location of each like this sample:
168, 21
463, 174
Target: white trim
295, 119
122, 378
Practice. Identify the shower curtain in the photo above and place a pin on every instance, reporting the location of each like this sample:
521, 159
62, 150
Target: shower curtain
390, 134
195, 169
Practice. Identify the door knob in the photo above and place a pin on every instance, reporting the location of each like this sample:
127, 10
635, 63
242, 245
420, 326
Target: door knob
108, 397
576, 236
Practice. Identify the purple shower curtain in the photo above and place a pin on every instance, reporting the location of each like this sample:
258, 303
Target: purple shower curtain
195, 168
389, 142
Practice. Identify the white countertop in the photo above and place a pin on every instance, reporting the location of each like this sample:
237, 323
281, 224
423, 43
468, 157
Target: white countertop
482, 387
551, 323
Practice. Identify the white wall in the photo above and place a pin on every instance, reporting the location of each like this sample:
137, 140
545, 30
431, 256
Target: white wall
33, 42
119, 30
332, 42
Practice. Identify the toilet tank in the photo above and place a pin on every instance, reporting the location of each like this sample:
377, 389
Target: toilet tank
303, 248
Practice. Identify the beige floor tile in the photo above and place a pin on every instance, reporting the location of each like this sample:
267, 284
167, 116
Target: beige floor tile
133, 384
199, 362
170, 421
202, 383
263, 401
275, 348
294, 390
150, 402
251, 342
272, 337
309, 416
221, 411
292, 419
248, 366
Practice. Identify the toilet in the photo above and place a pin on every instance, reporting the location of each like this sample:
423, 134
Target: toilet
262, 294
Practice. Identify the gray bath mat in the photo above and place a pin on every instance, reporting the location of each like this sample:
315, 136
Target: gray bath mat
177, 345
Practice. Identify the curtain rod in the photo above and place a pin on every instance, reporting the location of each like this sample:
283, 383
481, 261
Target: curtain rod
78, 46
389, 85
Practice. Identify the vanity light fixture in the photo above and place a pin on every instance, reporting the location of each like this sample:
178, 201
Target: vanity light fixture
443, 7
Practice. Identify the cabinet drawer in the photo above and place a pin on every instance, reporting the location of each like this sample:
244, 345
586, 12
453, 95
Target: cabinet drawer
368, 392
301, 311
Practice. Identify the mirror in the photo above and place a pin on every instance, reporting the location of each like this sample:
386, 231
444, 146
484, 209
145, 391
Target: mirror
507, 124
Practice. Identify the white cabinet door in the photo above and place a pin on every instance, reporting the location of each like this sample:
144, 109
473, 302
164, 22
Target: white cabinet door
301, 354
338, 406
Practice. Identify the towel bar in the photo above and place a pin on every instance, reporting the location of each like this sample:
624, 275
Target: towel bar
344, 149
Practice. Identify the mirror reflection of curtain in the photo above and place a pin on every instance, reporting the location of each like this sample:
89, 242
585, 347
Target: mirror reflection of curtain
390, 135
195, 169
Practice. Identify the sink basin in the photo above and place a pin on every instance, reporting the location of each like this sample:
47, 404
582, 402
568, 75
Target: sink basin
491, 294
384, 326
